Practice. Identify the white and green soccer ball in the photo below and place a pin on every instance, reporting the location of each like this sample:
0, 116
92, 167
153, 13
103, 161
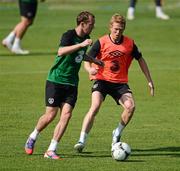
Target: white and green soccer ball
121, 151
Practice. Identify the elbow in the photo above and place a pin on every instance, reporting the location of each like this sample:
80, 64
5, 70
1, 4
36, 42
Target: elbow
60, 53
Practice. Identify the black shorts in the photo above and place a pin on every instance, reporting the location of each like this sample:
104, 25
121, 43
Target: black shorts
115, 90
28, 10
56, 94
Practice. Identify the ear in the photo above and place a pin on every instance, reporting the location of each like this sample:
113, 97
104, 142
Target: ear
82, 24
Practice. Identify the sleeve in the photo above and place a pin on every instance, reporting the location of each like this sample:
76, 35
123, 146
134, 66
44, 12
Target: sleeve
95, 49
66, 39
136, 53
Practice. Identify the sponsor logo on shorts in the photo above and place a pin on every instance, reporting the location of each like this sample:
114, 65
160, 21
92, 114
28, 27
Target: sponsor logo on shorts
29, 14
51, 100
95, 86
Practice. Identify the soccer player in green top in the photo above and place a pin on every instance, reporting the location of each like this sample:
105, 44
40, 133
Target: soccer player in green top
62, 82
28, 10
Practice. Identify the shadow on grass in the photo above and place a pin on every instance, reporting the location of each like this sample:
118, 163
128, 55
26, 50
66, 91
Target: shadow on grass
161, 151
97, 154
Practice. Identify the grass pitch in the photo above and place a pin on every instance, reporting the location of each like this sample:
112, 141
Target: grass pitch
153, 133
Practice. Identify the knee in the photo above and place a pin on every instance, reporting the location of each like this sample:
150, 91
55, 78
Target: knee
67, 115
27, 22
93, 111
30, 22
50, 116
129, 107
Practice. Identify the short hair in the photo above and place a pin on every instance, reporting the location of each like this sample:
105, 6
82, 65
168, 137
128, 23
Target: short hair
117, 18
84, 17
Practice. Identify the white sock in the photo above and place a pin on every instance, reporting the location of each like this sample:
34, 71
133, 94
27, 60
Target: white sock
131, 10
16, 44
119, 129
158, 10
83, 137
34, 134
10, 37
53, 145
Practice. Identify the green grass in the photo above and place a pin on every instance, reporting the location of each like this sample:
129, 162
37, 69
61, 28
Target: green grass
153, 133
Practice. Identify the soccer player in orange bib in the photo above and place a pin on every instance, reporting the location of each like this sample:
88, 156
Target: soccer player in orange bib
117, 52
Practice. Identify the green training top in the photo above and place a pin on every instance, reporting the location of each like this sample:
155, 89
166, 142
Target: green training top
66, 68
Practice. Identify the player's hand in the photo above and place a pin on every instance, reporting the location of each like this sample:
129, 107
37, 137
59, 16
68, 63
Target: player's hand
151, 86
87, 42
99, 62
93, 71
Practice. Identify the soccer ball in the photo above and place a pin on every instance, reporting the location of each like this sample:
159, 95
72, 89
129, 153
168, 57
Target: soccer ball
120, 151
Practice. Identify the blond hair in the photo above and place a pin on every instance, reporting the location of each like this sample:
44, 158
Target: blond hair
117, 18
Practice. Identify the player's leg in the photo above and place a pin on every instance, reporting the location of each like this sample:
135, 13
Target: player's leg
128, 105
28, 13
131, 10
19, 31
8, 41
89, 118
52, 106
67, 96
159, 12
66, 112
43, 121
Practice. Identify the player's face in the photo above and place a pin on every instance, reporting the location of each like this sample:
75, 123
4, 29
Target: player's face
88, 26
116, 31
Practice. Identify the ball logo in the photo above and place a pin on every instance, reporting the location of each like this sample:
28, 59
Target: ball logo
51, 100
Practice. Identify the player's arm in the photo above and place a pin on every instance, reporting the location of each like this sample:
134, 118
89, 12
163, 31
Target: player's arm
95, 49
67, 45
93, 60
145, 70
72, 48
144, 67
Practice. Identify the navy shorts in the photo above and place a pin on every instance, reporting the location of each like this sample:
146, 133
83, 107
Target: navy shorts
28, 10
116, 90
56, 94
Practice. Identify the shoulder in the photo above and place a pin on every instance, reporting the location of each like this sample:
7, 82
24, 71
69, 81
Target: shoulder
126, 38
104, 38
67, 38
69, 33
